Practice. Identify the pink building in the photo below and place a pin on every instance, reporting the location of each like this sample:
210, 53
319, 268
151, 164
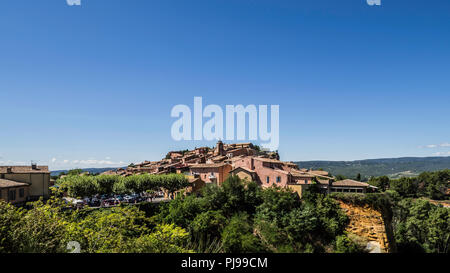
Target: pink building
270, 172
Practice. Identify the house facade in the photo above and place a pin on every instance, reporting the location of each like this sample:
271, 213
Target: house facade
268, 172
351, 186
36, 177
14, 192
215, 173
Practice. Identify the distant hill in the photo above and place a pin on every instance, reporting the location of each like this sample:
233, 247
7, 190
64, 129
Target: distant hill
90, 170
392, 167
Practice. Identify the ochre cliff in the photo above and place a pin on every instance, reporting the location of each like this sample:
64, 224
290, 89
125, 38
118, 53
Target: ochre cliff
369, 224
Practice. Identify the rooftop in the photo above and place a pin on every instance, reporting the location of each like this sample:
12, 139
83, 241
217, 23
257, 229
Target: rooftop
24, 169
350, 183
263, 159
213, 165
5, 183
297, 173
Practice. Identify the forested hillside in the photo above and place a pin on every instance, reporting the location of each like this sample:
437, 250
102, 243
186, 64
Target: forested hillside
391, 167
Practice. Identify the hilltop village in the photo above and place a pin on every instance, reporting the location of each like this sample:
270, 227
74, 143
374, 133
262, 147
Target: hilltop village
201, 166
207, 165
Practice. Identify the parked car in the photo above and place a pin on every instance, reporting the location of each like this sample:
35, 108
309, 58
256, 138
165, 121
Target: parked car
94, 202
78, 203
129, 199
119, 198
109, 202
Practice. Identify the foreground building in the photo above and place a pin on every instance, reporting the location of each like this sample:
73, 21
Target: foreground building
19, 184
215, 173
14, 192
349, 186
268, 172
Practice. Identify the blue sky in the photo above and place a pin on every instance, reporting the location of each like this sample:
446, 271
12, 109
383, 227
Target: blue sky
93, 85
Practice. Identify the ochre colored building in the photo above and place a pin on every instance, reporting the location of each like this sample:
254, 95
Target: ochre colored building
211, 173
36, 180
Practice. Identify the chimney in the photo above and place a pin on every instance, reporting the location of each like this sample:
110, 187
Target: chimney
33, 166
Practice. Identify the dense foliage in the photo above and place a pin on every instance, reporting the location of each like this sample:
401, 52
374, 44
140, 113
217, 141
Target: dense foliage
238, 217
246, 218
50, 227
421, 227
432, 185
86, 186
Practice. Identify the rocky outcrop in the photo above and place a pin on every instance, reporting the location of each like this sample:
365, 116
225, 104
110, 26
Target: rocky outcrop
370, 224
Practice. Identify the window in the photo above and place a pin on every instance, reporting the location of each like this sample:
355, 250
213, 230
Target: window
12, 195
268, 179
278, 179
21, 193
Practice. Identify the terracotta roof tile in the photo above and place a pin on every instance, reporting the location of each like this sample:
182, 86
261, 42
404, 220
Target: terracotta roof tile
268, 160
350, 183
24, 169
5, 183
213, 165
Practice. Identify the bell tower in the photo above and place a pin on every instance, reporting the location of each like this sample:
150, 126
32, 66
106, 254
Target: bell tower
219, 148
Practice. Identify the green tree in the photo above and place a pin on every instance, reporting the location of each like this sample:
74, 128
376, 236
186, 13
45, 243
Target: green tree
208, 226
105, 183
340, 177
183, 210
9, 221
75, 172
421, 227
109, 230
41, 229
238, 237
174, 182
165, 239
406, 187
382, 183
344, 244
